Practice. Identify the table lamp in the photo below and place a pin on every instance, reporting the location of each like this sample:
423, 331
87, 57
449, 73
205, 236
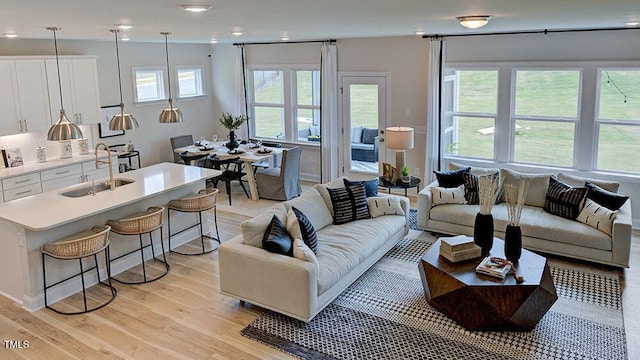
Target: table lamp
400, 138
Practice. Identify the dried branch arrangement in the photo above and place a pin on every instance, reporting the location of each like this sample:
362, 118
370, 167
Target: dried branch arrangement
487, 192
514, 198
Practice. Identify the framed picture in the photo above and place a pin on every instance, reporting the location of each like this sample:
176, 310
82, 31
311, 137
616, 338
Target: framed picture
106, 113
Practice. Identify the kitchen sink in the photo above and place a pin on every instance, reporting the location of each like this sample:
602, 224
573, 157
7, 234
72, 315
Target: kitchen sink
99, 186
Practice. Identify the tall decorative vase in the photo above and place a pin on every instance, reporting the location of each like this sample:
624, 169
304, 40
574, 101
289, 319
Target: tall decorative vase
513, 243
232, 143
483, 232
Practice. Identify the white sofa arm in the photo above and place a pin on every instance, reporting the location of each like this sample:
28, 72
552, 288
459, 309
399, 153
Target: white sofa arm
424, 205
621, 235
277, 282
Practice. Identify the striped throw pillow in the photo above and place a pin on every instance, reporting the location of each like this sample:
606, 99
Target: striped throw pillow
564, 200
597, 216
349, 204
300, 227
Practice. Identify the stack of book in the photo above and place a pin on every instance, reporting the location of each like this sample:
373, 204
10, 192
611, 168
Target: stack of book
459, 248
491, 268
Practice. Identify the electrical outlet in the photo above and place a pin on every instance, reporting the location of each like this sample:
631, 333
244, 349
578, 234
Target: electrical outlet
20, 239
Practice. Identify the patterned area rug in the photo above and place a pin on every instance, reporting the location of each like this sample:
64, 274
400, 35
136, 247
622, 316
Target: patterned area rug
384, 315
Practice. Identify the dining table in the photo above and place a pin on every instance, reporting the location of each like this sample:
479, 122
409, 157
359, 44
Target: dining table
247, 153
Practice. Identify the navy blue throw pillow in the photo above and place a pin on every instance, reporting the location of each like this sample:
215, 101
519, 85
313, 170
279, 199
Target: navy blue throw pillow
602, 197
277, 239
370, 186
309, 235
451, 179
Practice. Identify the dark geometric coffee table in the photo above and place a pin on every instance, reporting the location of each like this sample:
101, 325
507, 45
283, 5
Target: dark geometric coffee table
479, 302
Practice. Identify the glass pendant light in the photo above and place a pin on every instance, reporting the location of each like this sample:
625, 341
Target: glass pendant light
121, 121
63, 129
171, 114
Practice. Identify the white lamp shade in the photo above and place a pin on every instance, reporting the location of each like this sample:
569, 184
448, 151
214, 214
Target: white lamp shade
399, 137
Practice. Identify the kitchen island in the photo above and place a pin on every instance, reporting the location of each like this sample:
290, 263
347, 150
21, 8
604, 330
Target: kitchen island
27, 223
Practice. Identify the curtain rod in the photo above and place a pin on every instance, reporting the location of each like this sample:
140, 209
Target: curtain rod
545, 32
285, 42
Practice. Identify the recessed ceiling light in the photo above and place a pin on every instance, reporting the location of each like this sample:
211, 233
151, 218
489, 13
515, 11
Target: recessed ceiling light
125, 26
633, 23
10, 36
284, 38
213, 41
474, 21
419, 32
195, 8
237, 33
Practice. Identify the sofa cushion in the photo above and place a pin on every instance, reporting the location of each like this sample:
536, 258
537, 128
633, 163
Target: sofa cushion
361, 146
581, 181
369, 135
300, 227
303, 252
349, 204
608, 199
343, 247
537, 185
253, 229
442, 195
277, 239
564, 200
452, 178
313, 206
597, 216
384, 205
370, 186
356, 134
474, 170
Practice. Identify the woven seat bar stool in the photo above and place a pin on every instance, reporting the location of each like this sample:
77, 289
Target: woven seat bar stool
77, 247
205, 200
145, 222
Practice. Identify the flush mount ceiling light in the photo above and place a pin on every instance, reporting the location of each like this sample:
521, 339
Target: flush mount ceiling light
419, 32
121, 121
170, 114
284, 38
632, 23
213, 41
195, 8
125, 38
237, 33
474, 21
63, 129
10, 36
125, 26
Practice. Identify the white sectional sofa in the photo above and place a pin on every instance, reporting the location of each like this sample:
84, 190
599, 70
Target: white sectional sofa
541, 231
295, 287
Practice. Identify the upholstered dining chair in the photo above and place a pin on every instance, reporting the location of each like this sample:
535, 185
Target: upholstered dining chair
283, 182
178, 142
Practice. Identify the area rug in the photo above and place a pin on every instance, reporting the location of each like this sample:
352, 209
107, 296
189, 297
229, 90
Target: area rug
385, 315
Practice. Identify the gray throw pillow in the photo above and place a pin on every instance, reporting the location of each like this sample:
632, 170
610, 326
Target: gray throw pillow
369, 135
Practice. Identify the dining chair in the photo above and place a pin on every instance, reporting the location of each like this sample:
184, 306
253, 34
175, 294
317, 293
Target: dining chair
283, 182
187, 159
231, 170
178, 142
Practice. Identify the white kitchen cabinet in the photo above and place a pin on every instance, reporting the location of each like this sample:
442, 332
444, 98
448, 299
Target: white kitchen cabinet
21, 186
24, 96
79, 80
60, 177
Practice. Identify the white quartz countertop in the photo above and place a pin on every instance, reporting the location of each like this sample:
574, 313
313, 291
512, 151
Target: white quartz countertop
50, 209
32, 166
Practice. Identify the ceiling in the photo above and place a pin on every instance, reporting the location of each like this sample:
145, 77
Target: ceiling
269, 20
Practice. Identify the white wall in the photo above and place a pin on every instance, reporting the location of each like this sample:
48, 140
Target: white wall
152, 138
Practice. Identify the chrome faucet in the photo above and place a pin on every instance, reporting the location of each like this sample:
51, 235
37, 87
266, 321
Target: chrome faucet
86, 177
112, 184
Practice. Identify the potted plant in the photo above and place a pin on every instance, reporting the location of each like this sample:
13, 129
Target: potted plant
405, 175
232, 123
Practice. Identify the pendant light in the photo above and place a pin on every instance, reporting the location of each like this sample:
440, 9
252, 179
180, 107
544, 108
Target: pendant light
121, 121
63, 129
171, 114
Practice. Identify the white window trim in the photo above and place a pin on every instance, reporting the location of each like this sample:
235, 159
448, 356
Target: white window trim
161, 83
201, 80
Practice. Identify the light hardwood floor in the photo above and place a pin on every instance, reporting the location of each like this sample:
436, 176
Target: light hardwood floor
182, 316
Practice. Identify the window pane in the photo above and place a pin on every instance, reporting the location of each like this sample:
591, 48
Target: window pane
477, 91
190, 82
544, 142
469, 137
548, 93
308, 127
268, 87
149, 85
269, 122
616, 143
308, 87
620, 95
364, 105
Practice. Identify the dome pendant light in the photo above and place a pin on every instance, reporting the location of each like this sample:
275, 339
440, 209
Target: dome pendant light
121, 121
171, 114
63, 129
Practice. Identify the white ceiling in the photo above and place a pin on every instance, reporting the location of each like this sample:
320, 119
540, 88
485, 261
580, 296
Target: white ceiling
269, 20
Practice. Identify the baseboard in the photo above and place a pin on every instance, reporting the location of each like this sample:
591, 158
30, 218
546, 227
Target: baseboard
310, 177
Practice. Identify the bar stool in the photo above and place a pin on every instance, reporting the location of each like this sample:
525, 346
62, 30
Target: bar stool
203, 201
79, 246
145, 222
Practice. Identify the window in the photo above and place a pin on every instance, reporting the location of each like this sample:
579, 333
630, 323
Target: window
470, 113
190, 82
149, 84
285, 104
618, 119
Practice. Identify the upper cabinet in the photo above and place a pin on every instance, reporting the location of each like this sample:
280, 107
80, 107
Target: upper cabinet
79, 80
24, 96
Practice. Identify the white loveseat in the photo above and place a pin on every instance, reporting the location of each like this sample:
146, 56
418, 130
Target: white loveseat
295, 287
541, 231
